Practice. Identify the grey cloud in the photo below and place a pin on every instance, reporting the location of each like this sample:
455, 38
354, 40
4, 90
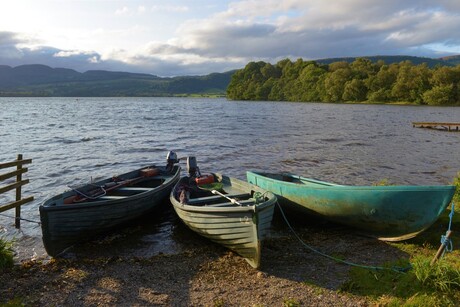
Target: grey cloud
8, 42
355, 29
319, 29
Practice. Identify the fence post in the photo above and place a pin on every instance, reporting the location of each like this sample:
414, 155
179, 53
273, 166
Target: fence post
18, 194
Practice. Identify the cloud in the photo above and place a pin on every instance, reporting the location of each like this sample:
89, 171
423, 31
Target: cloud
268, 30
8, 42
122, 11
318, 29
170, 8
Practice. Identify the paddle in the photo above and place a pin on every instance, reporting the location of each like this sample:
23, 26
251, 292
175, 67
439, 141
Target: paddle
213, 187
232, 200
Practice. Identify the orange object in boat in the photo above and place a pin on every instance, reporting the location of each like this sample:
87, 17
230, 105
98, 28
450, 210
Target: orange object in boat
149, 172
204, 179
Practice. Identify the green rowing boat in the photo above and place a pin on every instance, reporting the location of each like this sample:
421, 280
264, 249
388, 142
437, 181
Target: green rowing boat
80, 214
390, 213
229, 211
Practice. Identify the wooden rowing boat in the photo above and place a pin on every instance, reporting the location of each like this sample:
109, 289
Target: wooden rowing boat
391, 213
79, 214
237, 215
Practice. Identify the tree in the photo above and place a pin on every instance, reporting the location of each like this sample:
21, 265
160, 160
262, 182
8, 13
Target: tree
380, 85
363, 68
335, 84
439, 95
308, 82
411, 82
355, 90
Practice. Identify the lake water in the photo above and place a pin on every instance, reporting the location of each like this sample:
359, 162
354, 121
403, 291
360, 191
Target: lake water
74, 140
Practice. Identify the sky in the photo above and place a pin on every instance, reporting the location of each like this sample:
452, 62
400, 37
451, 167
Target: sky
179, 37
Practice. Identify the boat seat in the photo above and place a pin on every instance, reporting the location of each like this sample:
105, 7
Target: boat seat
200, 200
134, 189
107, 197
230, 204
164, 177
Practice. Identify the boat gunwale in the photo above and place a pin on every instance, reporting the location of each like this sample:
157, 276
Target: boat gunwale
256, 207
46, 205
323, 185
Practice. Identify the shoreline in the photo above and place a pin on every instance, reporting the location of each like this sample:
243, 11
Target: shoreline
201, 274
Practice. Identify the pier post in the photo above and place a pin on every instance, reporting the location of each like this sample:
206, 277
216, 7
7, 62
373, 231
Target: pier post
17, 223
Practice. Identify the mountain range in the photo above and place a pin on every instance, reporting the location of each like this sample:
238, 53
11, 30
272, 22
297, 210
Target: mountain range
41, 80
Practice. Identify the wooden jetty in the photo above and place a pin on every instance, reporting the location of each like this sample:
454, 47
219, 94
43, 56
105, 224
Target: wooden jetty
437, 126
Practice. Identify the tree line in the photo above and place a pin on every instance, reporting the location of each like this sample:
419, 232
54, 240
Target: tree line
359, 81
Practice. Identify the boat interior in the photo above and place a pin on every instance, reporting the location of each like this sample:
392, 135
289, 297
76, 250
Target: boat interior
110, 191
216, 195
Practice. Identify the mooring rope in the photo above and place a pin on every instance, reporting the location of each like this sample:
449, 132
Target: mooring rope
394, 268
21, 218
445, 240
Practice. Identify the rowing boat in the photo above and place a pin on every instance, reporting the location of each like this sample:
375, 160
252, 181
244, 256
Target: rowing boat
390, 213
96, 208
235, 214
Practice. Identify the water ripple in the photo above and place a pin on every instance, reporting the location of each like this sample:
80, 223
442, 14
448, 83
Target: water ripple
72, 141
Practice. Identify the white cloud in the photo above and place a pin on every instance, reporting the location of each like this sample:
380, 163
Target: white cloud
141, 9
267, 30
122, 11
170, 8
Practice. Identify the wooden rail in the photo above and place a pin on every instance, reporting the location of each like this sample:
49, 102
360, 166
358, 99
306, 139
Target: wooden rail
16, 185
438, 126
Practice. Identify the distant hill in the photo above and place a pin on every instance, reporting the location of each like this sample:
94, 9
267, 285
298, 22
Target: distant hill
42, 80
453, 60
389, 59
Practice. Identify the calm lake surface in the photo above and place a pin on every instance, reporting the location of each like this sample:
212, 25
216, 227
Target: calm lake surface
72, 140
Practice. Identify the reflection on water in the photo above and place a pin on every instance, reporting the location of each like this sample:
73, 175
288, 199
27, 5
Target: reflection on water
72, 141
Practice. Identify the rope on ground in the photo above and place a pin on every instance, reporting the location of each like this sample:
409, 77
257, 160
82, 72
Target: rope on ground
21, 218
394, 268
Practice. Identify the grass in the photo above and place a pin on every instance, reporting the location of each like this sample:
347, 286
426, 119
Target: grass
6, 255
290, 302
424, 284
457, 192
13, 303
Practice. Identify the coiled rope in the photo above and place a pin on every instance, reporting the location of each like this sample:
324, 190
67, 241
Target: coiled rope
445, 239
394, 268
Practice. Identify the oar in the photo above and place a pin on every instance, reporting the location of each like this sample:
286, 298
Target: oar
113, 186
94, 194
232, 200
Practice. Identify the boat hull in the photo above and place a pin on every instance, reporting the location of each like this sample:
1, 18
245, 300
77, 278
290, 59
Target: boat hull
65, 224
239, 228
390, 213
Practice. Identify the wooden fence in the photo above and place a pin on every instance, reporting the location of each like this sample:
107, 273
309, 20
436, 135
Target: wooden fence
16, 185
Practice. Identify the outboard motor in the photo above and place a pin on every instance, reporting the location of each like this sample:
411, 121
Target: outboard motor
192, 167
171, 159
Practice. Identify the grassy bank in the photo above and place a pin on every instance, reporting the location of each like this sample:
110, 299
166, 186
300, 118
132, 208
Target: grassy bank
424, 284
